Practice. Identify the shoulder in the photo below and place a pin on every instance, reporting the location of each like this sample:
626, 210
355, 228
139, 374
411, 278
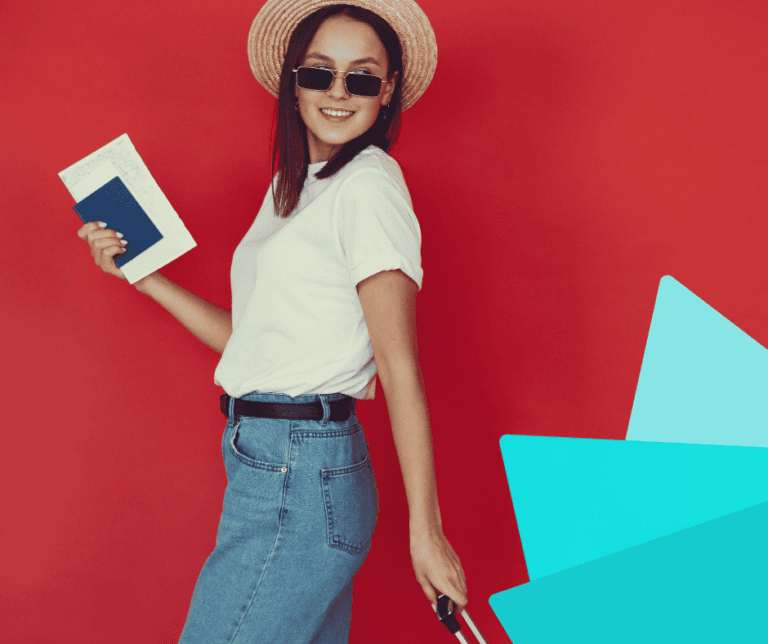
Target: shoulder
372, 171
374, 158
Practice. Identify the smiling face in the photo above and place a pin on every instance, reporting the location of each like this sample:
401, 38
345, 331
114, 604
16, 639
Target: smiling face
343, 44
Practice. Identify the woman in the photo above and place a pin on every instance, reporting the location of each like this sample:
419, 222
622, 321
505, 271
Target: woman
323, 299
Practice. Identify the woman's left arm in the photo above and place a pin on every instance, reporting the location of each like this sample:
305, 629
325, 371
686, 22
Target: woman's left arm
388, 299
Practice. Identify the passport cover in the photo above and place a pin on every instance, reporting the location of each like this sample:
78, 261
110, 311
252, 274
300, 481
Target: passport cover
114, 204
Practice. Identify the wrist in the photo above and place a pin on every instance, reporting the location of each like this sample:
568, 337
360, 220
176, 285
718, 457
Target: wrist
420, 528
146, 282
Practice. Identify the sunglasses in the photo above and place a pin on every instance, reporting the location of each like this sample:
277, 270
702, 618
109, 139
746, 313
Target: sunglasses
319, 79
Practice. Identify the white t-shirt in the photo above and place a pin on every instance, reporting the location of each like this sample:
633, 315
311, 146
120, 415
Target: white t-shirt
297, 323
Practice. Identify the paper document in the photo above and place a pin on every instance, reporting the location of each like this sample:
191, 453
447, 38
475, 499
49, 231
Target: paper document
120, 159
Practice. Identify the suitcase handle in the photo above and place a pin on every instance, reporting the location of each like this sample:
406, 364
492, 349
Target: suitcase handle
445, 615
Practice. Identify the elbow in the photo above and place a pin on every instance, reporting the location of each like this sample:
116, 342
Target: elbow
401, 372
220, 343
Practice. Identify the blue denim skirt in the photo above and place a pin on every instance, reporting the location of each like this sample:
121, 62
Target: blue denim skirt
299, 512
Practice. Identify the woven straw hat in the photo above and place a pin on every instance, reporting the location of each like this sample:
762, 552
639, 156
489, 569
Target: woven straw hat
272, 28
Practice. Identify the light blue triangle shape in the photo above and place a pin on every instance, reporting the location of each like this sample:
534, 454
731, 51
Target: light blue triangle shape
578, 499
703, 380
705, 584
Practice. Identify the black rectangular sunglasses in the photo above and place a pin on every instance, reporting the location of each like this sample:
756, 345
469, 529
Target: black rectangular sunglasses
319, 79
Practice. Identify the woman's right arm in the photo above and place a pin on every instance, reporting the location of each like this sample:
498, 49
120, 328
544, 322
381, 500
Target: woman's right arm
209, 323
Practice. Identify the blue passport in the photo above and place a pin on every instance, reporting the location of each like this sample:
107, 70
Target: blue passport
114, 204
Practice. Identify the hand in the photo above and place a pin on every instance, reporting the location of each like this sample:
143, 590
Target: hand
105, 244
437, 567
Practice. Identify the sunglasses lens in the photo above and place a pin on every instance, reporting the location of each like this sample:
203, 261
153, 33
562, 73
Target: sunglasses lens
314, 78
363, 84
321, 79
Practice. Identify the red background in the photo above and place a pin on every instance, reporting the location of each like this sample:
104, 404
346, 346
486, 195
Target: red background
565, 157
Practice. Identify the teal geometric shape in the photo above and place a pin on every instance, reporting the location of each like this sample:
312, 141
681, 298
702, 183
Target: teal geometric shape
703, 380
579, 499
705, 584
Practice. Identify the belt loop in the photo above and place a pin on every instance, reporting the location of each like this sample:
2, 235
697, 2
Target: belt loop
326, 410
231, 410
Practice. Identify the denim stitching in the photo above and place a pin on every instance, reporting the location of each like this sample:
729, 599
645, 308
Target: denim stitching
347, 469
308, 433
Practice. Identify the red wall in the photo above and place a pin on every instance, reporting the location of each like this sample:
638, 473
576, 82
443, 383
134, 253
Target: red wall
565, 157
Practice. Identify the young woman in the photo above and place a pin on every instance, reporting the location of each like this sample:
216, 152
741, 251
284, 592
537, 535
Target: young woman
323, 299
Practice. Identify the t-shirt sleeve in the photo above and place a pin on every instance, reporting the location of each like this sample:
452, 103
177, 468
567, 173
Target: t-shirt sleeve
377, 228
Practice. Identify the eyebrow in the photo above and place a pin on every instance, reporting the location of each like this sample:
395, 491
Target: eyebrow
328, 59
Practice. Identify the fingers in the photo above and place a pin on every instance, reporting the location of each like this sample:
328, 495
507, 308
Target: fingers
104, 244
454, 586
94, 230
429, 591
91, 226
439, 571
455, 607
106, 238
109, 254
458, 597
451, 579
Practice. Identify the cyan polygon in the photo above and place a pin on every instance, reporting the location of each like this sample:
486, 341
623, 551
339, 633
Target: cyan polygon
703, 380
705, 584
579, 499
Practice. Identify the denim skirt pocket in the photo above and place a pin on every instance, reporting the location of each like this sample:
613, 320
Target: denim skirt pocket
351, 505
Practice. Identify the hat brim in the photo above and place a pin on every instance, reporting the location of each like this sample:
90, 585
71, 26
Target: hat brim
272, 28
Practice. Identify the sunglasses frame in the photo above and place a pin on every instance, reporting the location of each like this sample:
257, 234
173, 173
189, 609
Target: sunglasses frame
344, 75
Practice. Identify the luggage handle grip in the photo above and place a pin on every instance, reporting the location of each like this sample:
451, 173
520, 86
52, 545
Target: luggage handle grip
445, 615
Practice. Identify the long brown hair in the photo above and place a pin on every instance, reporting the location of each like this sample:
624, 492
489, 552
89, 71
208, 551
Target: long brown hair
290, 150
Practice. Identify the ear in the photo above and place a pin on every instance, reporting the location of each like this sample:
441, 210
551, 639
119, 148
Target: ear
390, 88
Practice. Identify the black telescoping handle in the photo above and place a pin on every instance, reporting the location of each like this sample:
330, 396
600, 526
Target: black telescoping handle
445, 615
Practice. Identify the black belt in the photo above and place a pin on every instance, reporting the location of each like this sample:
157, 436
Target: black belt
340, 409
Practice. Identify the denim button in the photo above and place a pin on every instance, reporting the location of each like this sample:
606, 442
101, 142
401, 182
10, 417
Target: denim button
283, 469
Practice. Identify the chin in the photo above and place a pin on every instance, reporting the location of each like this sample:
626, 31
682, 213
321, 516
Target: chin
337, 141
335, 137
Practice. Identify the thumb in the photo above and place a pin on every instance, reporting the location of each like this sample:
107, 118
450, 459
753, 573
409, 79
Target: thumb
430, 592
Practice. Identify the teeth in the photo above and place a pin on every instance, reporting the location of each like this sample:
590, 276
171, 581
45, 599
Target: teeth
335, 112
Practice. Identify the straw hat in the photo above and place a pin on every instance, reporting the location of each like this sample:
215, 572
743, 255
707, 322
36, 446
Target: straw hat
272, 28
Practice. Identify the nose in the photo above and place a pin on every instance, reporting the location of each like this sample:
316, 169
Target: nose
338, 89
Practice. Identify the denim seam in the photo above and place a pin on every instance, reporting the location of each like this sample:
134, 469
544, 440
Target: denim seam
269, 556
